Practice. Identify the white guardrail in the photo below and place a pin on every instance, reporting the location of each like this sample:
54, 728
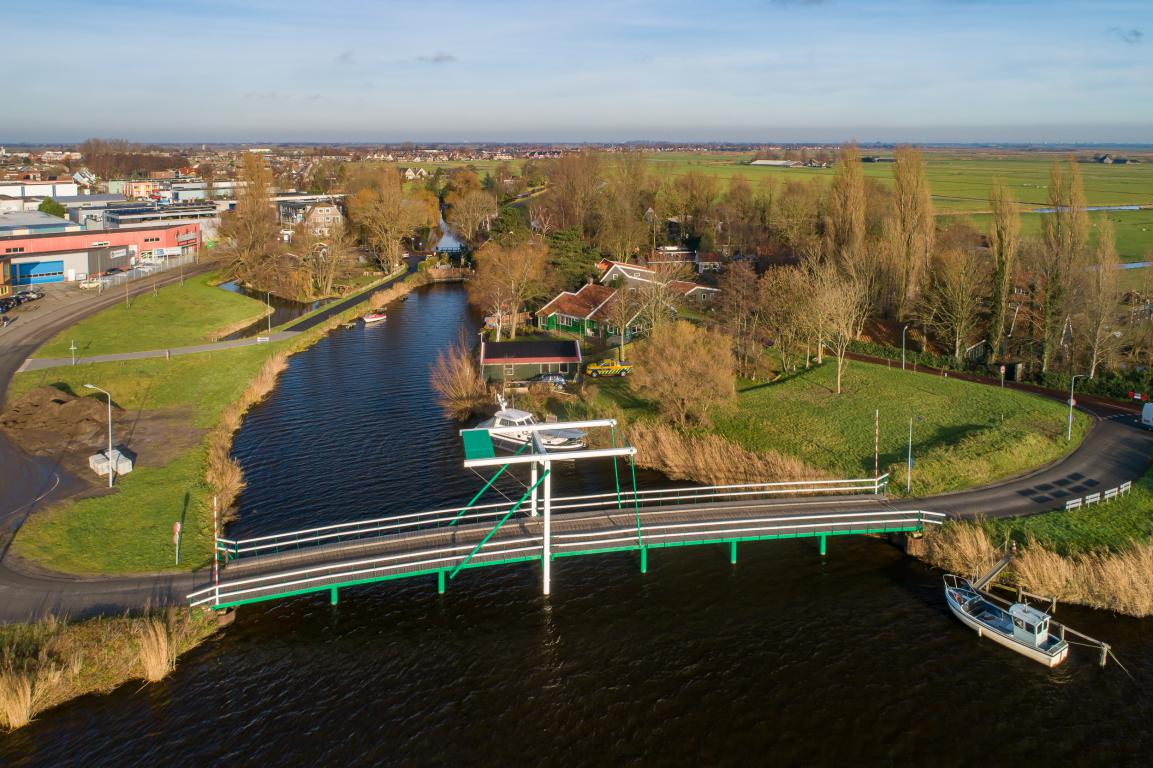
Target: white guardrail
1097, 498
318, 576
398, 524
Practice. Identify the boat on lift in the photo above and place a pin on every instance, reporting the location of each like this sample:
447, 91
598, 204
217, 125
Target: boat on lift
375, 316
1020, 627
553, 440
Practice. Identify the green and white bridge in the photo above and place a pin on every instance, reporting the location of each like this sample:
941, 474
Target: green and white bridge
538, 527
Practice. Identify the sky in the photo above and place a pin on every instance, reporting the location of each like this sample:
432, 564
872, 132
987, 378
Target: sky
580, 70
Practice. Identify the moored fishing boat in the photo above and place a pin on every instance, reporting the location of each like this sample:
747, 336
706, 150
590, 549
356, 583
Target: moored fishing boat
375, 316
1020, 627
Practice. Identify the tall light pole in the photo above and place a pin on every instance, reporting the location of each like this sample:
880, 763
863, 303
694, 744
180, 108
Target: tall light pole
109, 454
903, 346
1072, 382
909, 460
268, 303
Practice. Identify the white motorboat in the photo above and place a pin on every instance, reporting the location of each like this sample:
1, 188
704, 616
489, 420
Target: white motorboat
375, 316
1020, 627
551, 439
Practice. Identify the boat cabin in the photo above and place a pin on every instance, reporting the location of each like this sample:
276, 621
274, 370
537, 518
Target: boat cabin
510, 417
1029, 625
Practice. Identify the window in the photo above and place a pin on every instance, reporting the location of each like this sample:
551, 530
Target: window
13, 250
509, 370
152, 239
563, 367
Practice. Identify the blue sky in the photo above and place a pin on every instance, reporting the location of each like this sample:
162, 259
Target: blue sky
447, 70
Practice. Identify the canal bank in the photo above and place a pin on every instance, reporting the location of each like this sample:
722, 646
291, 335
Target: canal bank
695, 660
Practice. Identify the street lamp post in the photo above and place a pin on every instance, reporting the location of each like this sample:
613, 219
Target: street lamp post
1072, 383
268, 303
903, 346
109, 454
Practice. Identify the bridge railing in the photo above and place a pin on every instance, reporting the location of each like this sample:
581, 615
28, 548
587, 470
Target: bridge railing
305, 577
396, 525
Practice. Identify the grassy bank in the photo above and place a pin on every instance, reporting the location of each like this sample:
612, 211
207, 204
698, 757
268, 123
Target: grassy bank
130, 531
964, 434
47, 663
177, 315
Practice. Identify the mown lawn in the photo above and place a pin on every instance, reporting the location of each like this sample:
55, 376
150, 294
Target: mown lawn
131, 530
174, 316
964, 434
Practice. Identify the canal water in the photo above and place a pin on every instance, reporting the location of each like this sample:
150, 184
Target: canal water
781, 659
283, 310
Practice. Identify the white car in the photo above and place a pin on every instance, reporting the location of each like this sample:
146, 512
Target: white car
91, 283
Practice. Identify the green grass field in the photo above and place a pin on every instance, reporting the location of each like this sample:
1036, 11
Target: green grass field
964, 434
131, 530
1108, 526
176, 315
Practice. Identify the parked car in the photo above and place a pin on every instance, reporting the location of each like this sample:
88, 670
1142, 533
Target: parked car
555, 379
609, 368
28, 295
91, 283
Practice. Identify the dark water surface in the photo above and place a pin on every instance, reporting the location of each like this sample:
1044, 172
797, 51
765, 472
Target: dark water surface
283, 309
781, 659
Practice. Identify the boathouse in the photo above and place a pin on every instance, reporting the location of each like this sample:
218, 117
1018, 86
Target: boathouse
509, 361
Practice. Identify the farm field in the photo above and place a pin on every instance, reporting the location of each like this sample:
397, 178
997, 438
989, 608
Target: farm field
960, 183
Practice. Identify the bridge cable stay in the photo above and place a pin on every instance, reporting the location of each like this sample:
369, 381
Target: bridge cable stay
636, 498
492, 480
616, 473
501, 522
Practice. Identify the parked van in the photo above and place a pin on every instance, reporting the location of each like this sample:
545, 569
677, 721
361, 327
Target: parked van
1147, 415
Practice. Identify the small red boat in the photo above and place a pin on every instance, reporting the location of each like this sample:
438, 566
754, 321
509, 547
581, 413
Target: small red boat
375, 316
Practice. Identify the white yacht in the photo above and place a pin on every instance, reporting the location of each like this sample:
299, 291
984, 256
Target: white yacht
551, 439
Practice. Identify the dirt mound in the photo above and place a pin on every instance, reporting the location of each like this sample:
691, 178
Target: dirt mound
50, 410
52, 422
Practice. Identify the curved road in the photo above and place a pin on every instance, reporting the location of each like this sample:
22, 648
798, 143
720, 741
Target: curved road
1116, 449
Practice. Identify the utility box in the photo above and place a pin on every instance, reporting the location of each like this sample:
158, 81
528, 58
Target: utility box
98, 463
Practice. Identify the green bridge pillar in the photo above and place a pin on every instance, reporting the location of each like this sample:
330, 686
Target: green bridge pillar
644, 559
440, 582
333, 596
733, 552
823, 547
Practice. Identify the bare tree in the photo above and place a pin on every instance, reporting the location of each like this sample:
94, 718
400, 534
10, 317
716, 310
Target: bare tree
1100, 297
661, 296
385, 213
473, 211
1004, 239
507, 276
786, 303
686, 370
915, 226
1066, 235
251, 232
844, 220
621, 312
740, 309
952, 303
840, 304
622, 205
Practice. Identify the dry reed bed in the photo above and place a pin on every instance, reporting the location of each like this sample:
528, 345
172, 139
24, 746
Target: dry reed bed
52, 661
1119, 581
710, 458
458, 382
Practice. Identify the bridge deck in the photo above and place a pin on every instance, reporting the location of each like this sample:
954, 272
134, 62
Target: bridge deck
435, 550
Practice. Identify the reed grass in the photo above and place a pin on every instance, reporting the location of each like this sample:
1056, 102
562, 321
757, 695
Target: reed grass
710, 458
1115, 580
46, 663
456, 377
155, 651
